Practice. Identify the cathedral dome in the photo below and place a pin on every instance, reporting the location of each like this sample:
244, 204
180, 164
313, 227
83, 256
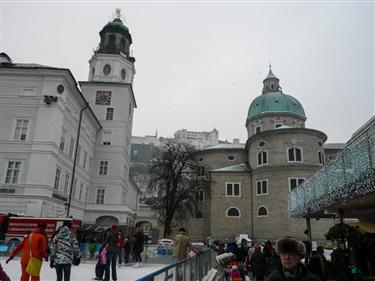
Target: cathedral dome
275, 102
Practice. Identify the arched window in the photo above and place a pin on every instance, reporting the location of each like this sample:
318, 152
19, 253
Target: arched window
262, 211
233, 212
111, 41
201, 171
295, 154
262, 158
122, 45
199, 196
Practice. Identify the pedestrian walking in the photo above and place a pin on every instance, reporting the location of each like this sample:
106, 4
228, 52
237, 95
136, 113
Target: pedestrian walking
127, 249
34, 247
64, 248
120, 244
101, 264
291, 252
182, 245
111, 241
138, 246
258, 263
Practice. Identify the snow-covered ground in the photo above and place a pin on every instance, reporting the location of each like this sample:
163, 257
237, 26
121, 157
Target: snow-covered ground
83, 272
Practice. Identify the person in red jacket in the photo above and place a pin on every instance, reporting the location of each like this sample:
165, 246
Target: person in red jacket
37, 245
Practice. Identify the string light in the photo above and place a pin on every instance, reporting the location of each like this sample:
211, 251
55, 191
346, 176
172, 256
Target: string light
350, 175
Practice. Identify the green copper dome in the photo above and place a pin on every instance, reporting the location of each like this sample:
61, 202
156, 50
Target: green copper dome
276, 101
115, 26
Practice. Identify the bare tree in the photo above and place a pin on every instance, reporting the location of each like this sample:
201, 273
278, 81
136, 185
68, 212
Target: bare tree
175, 177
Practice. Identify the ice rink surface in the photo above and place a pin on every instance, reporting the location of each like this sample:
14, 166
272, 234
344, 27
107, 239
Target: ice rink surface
83, 272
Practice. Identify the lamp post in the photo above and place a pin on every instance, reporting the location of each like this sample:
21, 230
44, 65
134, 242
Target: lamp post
74, 160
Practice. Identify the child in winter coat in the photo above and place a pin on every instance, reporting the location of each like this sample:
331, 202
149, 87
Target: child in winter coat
235, 274
102, 262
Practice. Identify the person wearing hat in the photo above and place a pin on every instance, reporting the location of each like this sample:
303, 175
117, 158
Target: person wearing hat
112, 247
291, 251
35, 245
182, 245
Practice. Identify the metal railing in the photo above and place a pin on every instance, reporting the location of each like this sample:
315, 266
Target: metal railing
351, 174
190, 269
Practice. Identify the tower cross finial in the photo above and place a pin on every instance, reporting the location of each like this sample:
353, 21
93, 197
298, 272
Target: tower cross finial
118, 13
269, 65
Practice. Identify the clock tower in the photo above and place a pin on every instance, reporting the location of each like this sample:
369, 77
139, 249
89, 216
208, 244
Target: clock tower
109, 92
111, 61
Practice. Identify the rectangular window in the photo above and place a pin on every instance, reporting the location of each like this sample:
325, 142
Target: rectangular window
86, 194
66, 184
321, 159
262, 187
233, 190
103, 168
294, 182
100, 192
21, 129
13, 172
74, 188
258, 129
107, 136
109, 113
78, 155
84, 159
80, 191
71, 147
91, 161
62, 141
57, 178
278, 125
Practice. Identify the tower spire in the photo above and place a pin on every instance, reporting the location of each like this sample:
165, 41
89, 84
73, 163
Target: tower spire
271, 82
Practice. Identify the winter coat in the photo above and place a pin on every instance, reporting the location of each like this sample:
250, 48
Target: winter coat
181, 244
111, 241
64, 246
138, 243
38, 245
302, 275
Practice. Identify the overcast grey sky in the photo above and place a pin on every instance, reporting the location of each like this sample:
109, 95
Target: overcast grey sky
199, 65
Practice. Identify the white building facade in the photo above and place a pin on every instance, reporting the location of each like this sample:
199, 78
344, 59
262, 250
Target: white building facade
199, 140
42, 109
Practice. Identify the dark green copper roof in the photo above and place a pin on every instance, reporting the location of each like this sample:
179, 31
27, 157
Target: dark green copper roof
115, 26
275, 102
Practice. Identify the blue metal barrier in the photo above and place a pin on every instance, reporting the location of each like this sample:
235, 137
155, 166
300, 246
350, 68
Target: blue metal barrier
193, 269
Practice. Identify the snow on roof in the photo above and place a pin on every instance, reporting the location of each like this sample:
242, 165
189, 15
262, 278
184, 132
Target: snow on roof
226, 146
234, 168
334, 145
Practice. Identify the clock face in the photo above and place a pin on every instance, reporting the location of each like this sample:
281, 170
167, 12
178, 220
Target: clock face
103, 97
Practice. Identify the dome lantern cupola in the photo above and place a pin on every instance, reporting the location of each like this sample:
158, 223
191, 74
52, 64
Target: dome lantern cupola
115, 37
271, 83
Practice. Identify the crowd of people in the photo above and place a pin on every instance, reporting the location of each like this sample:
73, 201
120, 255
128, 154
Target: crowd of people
286, 261
62, 251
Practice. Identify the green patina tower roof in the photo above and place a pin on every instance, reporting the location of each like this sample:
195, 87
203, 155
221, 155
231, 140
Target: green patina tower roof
274, 100
115, 26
